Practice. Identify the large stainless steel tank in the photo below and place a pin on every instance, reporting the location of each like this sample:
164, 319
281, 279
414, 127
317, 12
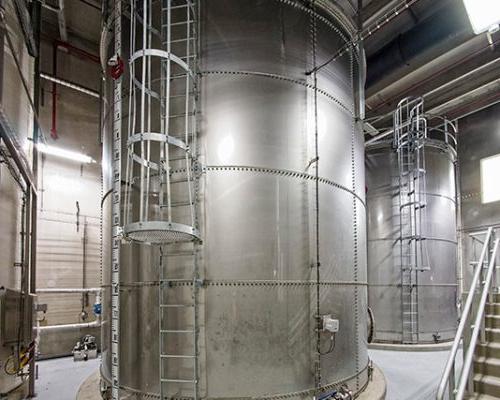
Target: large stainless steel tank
436, 287
258, 221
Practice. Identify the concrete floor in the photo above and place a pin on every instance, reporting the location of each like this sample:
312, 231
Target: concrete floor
60, 378
409, 375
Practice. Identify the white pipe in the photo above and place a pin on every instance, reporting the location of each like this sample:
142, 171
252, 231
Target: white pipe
68, 290
70, 327
383, 11
70, 85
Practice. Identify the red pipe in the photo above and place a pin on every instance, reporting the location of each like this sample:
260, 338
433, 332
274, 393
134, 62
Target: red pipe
53, 130
76, 51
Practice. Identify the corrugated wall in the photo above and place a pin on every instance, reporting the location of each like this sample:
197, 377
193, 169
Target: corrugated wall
62, 228
15, 106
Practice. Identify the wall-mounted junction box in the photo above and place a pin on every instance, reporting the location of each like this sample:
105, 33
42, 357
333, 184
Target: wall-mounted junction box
330, 324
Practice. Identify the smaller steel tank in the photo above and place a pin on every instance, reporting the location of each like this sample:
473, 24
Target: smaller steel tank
435, 285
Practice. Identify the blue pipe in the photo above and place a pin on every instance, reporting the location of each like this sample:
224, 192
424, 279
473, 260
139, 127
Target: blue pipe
328, 395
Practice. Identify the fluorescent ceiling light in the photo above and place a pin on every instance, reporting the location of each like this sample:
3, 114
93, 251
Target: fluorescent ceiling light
490, 189
483, 14
68, 154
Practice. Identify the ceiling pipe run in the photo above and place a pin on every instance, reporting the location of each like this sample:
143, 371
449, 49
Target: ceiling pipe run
447, 27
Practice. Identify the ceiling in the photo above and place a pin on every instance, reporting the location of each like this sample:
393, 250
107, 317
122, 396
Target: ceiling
428, 50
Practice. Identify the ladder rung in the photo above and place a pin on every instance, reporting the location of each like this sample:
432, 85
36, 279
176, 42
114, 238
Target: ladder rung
177, 331
182, 115
189, 21
176, 7
180, 254
178, 380
182, 40
177, 356
175, 305
180, 204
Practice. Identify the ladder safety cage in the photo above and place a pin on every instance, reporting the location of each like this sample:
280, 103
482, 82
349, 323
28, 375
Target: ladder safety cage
160, 201
162, 135
410, 134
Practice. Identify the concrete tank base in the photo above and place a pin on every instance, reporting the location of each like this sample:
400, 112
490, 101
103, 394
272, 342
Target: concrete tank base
377, 386
376, 389
90, 388
411, 347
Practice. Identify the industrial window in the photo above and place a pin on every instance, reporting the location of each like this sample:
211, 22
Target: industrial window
490, 186
483, 14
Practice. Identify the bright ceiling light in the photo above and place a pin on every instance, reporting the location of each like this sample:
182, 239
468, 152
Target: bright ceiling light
483, 14
68, 154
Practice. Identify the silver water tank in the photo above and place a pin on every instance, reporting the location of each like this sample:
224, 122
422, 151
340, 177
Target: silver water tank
437, 285
259, 291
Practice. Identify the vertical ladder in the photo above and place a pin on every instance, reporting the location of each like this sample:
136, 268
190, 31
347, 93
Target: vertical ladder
178, 324
410, 133
179, 277
116, 213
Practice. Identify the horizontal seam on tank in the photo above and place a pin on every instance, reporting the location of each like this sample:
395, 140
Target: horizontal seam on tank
283, 78
446, 330
435, 239
395, 194
313, 391
282, 172
263, 283
301, 393
419, 285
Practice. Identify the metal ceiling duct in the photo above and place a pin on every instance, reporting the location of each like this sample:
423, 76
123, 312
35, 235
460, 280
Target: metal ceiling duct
265, 130
447, 27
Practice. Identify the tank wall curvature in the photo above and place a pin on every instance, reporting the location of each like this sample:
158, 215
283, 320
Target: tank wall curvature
437, 287
257, 216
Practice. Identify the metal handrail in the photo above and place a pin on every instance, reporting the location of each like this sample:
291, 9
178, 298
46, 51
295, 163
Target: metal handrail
462, 383
448, 378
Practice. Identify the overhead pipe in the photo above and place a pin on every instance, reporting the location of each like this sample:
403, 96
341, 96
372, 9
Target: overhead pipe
36, 18
372, 17
448, 68
445, 26
53, 129
76, 51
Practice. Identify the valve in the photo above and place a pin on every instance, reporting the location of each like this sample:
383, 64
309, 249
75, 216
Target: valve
116, 66
97, 309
